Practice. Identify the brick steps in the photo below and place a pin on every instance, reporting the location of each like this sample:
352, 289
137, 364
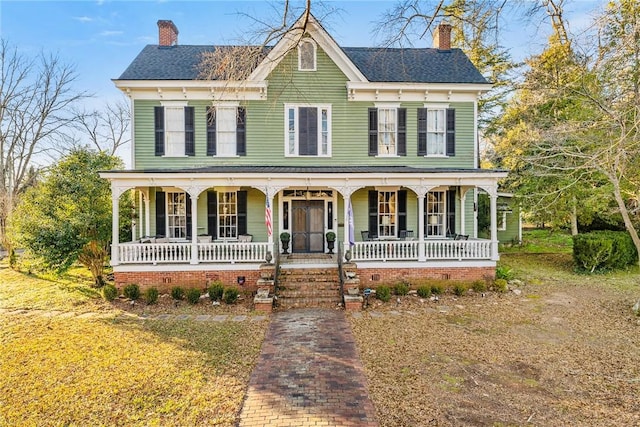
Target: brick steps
308, 287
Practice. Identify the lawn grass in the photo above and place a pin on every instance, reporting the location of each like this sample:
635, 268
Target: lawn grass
104, 370
559, 352
542, 241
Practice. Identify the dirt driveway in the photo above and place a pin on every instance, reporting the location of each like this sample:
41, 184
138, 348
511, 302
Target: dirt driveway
564, 352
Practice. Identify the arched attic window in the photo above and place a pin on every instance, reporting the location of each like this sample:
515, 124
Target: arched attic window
307, 55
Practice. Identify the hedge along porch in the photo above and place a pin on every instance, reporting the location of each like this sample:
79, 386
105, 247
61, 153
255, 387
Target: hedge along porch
222, 205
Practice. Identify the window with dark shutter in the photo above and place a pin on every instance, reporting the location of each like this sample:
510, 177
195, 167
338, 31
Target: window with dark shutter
212, 214
451, 132
241, 134
242, 212
188, 211
373, 213
422, 131
158, 113
211, 131
189, 132
161, 224
307, 131
402, 211
402, 132
373, 132
451, 212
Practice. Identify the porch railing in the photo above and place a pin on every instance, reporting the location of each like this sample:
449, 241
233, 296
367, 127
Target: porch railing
409, 250
180, 252
233, 252
154, 252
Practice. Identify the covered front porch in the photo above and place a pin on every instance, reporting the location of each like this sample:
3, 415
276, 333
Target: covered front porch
233, 216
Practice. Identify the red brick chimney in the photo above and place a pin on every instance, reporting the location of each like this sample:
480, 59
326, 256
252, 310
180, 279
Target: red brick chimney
167, 33
442, 36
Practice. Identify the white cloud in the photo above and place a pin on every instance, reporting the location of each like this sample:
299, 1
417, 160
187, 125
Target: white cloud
83, 18
111, 33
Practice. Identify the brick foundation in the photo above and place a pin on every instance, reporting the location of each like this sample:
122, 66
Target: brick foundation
374, 277
165, 280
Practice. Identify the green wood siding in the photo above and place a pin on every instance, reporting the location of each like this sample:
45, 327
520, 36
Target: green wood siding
265, 125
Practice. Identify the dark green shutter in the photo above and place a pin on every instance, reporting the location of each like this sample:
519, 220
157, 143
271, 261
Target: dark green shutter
402, 131
212, 214
451, 132
158, 113
161, 217
451, 212
188, 211
422, 131
307, 131
241, 134
211, 131
402, 210
242, 212
373, 132
373, 214
189, 132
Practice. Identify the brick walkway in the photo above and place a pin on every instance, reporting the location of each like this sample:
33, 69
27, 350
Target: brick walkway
308, 374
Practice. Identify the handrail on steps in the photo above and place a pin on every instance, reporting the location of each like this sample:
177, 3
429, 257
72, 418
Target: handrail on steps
341, 272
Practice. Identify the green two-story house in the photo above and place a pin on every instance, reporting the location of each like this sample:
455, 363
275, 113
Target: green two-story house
379, 146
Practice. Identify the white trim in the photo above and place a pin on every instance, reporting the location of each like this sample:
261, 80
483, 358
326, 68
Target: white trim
209, 266
476, 136
193, 89
424, 264
296, 107
436, 105
387, 105
415, 92
321, 37
174, 103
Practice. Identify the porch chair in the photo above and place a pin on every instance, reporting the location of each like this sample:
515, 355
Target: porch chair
406, 235
365, 236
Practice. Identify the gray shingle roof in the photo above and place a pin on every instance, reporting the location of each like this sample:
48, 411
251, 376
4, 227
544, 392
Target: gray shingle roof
377, 64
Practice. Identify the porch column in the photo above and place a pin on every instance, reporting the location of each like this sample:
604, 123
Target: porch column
147, 215
194, 226
115, 224
493, 195
346, 202
422, 256
141, 231
463, 210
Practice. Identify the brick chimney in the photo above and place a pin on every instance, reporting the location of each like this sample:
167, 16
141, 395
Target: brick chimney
442, 36
167, 33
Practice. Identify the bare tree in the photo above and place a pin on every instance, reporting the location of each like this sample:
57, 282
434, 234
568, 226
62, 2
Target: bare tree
107, 129
236, 63
36, 99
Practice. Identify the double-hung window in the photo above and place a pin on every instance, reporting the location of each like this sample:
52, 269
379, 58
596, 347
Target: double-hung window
436, 213
308, 130
174, 130
227, 215
387, 130
436, 131
226, 125
176, 215
387, 210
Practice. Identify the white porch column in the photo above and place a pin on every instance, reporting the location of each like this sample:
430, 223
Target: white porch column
493, 195
115, 224
194, 227
422, 256
147, 215
463, 210
346, 201
141, 231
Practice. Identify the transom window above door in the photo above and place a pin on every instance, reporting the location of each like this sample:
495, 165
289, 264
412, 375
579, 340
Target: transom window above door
308, 130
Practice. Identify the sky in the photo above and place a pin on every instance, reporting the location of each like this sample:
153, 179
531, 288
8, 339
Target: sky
100, 38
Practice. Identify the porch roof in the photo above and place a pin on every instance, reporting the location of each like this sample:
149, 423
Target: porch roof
270, 170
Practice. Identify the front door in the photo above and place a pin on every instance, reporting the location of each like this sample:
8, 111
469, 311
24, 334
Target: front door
308, 226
